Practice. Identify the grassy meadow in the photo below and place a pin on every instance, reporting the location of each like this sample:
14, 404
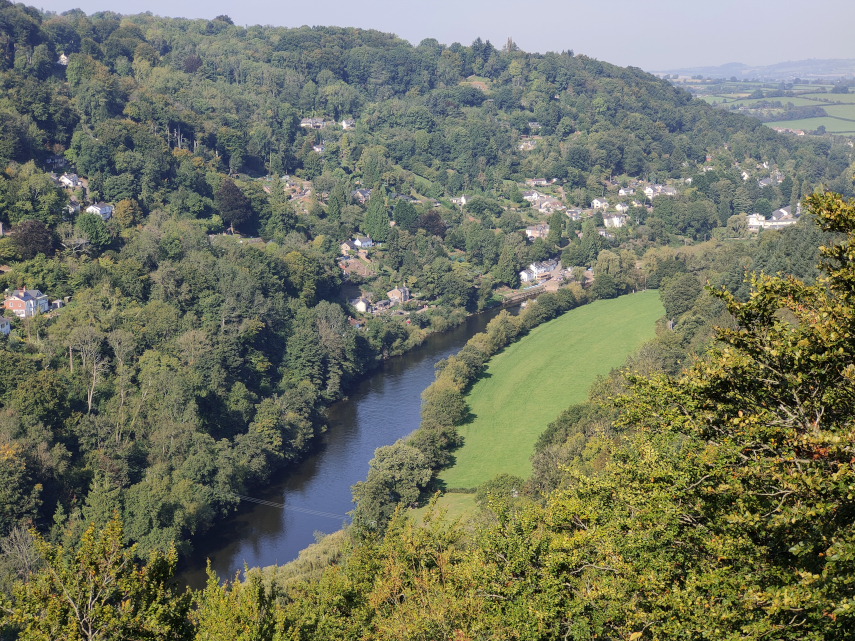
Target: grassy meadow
528, 384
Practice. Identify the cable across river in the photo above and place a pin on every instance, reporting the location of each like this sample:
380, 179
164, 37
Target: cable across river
302, 510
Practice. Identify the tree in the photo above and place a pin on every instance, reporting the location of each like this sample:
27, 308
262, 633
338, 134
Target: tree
337, 202
92, 227
128, 213
397, 474
93, 591
556, 227
432, 222
604, 286
233, 206
32, 237
404, 215
376, 222
679, 295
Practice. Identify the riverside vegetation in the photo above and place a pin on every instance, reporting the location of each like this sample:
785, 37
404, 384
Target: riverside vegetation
189, 366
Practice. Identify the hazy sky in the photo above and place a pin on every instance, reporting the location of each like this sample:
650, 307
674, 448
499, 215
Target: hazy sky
654, 35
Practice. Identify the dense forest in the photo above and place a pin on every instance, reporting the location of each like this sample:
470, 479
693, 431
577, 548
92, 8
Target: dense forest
207, 324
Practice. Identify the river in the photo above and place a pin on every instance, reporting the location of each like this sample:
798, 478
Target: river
380, 410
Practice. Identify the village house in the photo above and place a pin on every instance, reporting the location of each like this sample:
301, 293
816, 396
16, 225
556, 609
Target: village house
537, 182
538, 270
318, 148
460, 201
363, 242
541, 230
361, 195
73, 206
69, 180
547, 205
745, 175
600, 203
56, 161
622, 207
530, 196
527, 145
26, 303
63, 60
779, 219
348, 123
347, 247
651, 191
534, 125
765, 182
312, 123
5, 326
361, 305
574, 214
614, 220
626, 191
102, 209
635, 203
399, 294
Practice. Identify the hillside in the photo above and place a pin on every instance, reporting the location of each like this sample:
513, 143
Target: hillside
176, 197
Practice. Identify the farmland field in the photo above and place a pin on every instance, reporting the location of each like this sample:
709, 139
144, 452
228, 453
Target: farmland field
832, 125
528, 384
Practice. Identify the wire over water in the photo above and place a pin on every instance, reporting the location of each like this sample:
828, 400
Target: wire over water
302, 510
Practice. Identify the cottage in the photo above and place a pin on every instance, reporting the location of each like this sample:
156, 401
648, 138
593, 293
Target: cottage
56, 161
461, 200
26, 303
668, 191
614, 220
626, 191
530, 196
534, 125
361, 195
527, 145
63, 60
527, 276
399, 294
348, 123
574, 214
5, 326
622, 207
745, 175
541, 230
765, 182
600, 203
69, 180
780, 218
363, 242
347, 247
544, 268
318, 148
102, 209
537, 182
361, 304
312, 123
548, 205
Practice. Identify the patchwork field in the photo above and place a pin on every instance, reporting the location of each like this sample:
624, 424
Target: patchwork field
527, 385
832, 125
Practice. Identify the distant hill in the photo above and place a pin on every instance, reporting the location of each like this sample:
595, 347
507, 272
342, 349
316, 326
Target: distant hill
813, 68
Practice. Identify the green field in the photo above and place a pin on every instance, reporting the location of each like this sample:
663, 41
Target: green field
528, 384
841, 111
832, 125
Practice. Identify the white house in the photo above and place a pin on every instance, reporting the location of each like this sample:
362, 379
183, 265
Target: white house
318, 148
102, 209
574, 214
63, 60
26, 303
348, 123
527, 276
780, 219
363, 242
361, 304
530, 196
745, 175
622, 207
614, 220
600, 203
69, 180
5, 326
312, 123
626, 191
541, 230
461, 200
537, 182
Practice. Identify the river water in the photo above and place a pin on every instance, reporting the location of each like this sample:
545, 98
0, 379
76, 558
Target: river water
380, 410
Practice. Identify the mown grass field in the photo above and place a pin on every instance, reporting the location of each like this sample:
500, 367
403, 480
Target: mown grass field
528, 384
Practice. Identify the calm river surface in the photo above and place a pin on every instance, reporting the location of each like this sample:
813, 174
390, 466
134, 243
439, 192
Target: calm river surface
381, 409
